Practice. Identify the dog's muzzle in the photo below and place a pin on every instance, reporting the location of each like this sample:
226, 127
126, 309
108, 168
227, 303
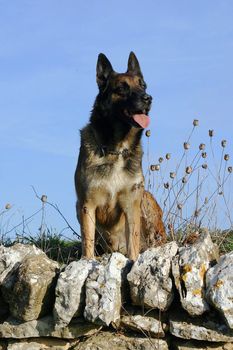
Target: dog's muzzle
147, 99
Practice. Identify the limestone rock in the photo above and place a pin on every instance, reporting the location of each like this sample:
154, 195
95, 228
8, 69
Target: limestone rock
195, 345
45, 327
189, 268
103, 290
40, 344
219, 283
150, 326
149, 279
10, 257
108, 340
70, 291
201, 328
32, 292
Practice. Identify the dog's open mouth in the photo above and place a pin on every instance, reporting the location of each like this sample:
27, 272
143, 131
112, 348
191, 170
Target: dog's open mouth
139, 119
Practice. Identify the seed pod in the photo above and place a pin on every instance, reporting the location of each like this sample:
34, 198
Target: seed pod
211, 133
8, 206
172, 175
168, 156
148, 133
154, 167
204, 154
160, 159
184, 180
166, 185
201, 146
229, 169
188, 170
44, 198
179, 206
186, 145
204, 166
195, 122
226, 157
224, 143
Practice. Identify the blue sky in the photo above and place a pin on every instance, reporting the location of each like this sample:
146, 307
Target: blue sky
48, 53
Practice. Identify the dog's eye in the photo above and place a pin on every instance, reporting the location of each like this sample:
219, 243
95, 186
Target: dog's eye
122, 89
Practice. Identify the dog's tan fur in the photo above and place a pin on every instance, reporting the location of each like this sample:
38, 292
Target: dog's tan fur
113, 208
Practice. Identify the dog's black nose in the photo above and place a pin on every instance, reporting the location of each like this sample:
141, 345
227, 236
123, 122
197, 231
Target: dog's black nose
147, 98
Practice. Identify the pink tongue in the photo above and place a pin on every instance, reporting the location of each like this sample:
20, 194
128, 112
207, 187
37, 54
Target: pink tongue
141, 119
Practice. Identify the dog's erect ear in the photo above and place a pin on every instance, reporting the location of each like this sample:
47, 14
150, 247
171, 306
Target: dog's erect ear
103, 70
133, 65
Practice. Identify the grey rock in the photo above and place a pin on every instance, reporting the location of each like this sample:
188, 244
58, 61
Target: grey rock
150, 326
11, 257
201, 328
103, 290
200, 345
45, 327
219, 284
32, 293
40, 344
150, 277
189, 270
70, 291
108, 340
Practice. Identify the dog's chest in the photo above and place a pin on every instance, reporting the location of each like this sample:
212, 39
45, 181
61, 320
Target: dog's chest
112, 174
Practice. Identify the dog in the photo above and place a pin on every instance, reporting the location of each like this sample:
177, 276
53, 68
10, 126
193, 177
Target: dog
113, 208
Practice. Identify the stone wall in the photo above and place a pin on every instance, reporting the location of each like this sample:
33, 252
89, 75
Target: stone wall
170, 298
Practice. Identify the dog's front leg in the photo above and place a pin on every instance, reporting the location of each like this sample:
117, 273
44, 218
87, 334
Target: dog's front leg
87, 221
133, 220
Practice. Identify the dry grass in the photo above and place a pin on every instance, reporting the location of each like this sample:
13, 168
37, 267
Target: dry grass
196, 191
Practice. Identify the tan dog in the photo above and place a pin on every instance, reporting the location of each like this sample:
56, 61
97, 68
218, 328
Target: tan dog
114, 210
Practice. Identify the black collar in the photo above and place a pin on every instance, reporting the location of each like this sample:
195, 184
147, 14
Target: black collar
105, 151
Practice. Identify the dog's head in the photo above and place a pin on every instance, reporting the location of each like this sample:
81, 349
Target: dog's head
123, 95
